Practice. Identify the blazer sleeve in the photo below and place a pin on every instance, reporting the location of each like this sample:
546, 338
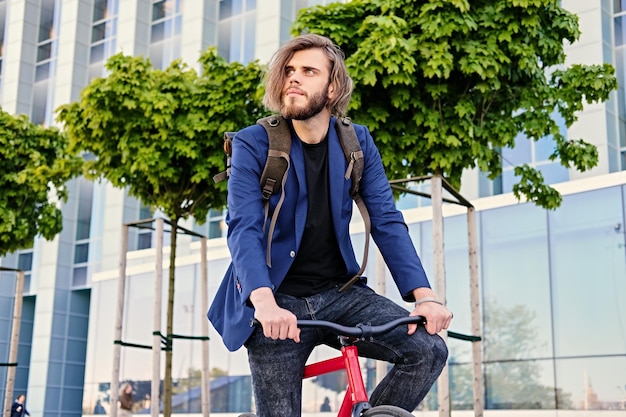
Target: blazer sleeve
245, 219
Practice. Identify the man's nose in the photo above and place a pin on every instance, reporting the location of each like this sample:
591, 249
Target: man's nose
295, 77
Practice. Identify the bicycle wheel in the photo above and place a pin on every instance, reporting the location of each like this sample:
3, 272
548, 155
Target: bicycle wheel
386, 411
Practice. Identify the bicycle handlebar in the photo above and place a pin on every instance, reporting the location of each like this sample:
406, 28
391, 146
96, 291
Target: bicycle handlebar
360, 330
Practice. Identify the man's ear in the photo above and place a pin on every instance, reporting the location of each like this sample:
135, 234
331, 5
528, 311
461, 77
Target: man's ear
331, 90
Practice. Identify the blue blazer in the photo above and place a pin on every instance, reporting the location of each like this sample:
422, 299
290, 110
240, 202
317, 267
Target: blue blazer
230, 311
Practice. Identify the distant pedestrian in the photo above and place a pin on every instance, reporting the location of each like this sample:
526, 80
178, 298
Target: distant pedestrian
18, 409
325, 405
126, 400
99, 408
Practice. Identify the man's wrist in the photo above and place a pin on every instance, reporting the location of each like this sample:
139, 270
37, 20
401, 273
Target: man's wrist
261, 296
427, 300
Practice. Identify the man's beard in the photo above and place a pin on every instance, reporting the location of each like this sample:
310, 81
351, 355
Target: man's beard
317, 103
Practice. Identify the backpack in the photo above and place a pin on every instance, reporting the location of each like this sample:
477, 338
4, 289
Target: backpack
274, 173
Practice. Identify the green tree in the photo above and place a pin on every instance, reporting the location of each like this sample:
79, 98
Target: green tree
447, 84
36, 164
158, 133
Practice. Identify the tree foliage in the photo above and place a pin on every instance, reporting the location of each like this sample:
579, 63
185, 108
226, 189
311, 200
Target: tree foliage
448, 84
36, 164
158, 132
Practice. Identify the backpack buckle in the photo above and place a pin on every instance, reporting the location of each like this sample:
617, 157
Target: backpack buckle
268, 188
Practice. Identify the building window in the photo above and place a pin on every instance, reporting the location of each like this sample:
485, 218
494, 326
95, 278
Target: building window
83, 233
534, 153
3, 16
216, 224
619, 42
214, 227
165, 34
25, 263
41, 112
103, 35
236, 30
144, 236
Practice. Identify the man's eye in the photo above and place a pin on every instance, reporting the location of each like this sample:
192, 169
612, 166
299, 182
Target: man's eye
289, 72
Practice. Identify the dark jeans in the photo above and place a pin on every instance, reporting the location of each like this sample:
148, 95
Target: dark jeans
277, 365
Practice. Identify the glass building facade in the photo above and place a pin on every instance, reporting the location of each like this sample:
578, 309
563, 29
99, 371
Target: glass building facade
552, 283
553, 296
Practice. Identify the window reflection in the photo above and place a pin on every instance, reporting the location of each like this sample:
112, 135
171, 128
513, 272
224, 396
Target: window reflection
517, 385
25, 263
457, 266
592, 383
588, 267
44, 51
620, 33
165, 39
40, 96
461, 382
99, 10
516, 288
236, 30
520, 154
103, 35
46, 20
98, 32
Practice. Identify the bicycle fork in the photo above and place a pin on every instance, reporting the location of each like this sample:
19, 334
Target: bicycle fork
355, 401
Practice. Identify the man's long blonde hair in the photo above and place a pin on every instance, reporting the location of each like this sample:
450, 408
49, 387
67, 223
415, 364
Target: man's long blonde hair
339, 78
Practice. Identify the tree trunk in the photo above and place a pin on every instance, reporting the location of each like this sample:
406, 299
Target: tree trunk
119, 320
443, 384
477, 356
155, 403
206, 380
15, 340
381, 288
167, 383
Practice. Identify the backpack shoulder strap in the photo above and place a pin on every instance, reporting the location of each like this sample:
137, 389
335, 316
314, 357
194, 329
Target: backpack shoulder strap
274, 173
352, 151
277, 163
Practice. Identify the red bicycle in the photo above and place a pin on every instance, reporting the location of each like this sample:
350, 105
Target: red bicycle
355, 402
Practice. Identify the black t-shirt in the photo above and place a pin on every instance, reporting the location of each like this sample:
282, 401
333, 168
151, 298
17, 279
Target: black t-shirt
318, 264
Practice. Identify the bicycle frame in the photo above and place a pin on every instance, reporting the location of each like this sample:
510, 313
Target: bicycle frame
355, 400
